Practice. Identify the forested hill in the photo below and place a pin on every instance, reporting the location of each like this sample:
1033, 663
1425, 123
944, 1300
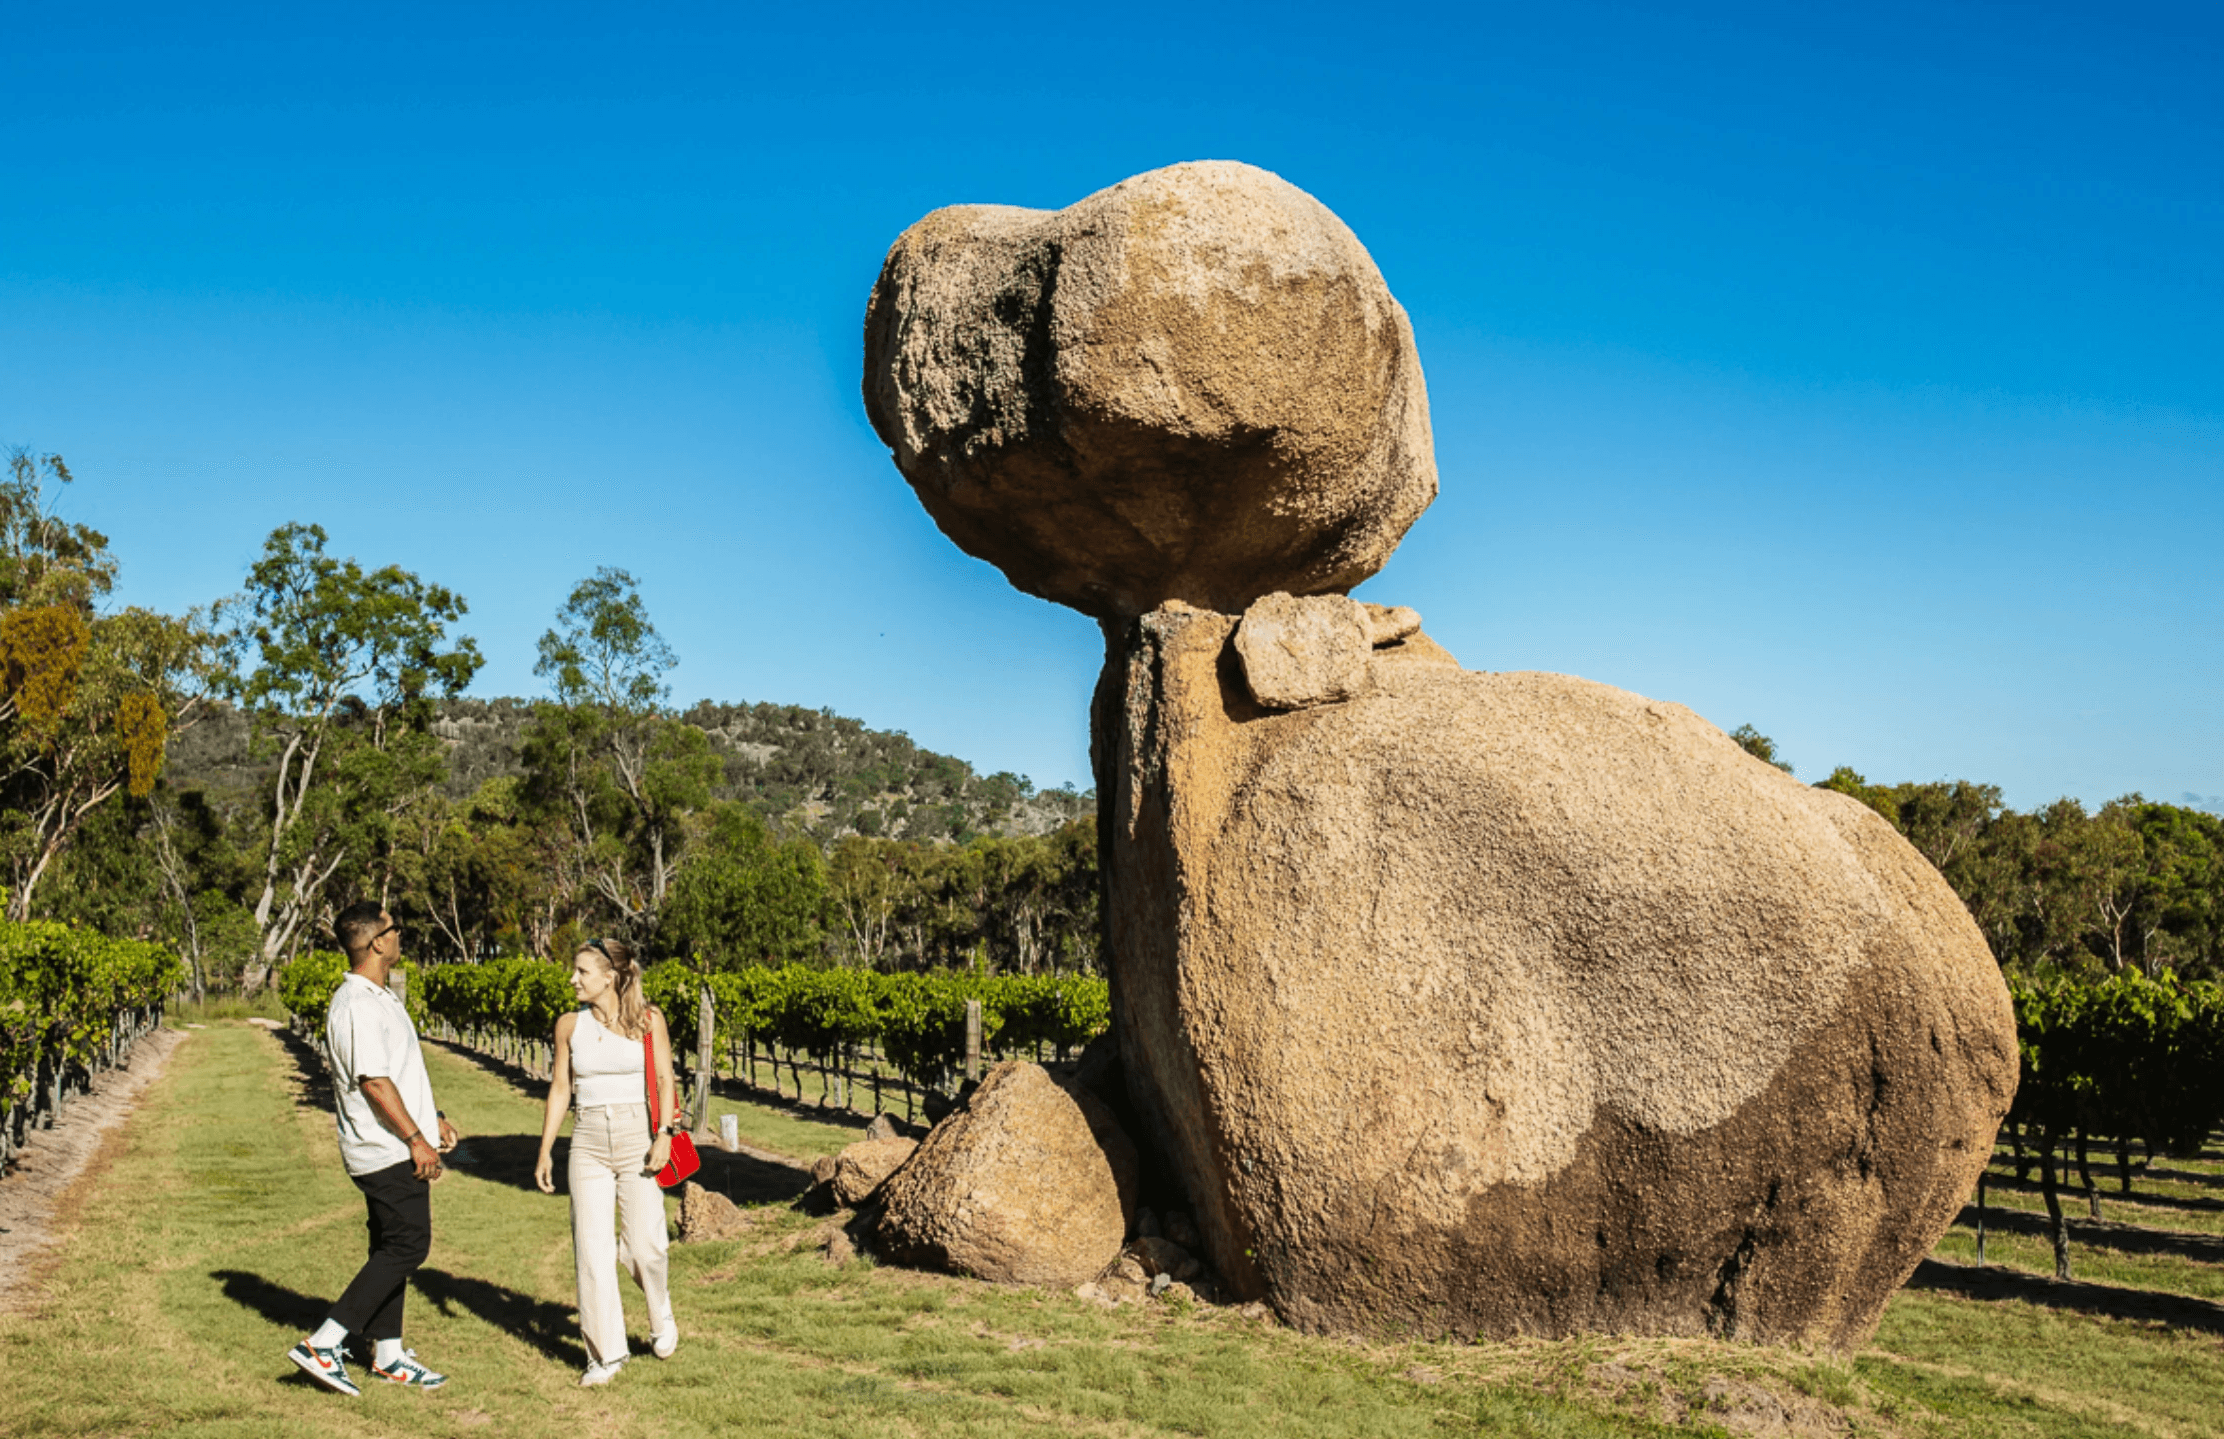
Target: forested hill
807, 770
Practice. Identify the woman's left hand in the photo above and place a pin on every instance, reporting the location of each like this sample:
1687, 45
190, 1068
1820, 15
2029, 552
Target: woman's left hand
660, 1154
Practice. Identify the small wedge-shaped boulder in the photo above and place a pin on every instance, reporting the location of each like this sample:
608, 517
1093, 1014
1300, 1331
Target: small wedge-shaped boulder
1028, 1184
706, 1215
1298, 653
864, 1166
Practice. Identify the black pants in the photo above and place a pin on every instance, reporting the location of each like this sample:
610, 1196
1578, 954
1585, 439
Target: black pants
401, 1237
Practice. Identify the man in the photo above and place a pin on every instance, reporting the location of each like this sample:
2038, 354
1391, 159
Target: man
386, 1113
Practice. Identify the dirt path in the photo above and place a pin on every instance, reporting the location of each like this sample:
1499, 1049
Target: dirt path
32, 1191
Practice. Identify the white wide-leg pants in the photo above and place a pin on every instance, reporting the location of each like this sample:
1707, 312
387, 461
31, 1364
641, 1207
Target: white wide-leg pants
617, 1218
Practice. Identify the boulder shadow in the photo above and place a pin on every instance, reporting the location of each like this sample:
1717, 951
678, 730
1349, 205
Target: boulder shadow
2107, 1301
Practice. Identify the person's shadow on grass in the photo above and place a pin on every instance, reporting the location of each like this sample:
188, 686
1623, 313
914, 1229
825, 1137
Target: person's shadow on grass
286, 1308
548, 1327
509, 1159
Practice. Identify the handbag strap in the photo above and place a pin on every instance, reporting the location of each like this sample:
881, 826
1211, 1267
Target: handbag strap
648, 1069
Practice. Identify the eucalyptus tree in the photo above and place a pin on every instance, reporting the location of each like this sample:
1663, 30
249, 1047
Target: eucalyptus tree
608, 759
88, 698
336, 667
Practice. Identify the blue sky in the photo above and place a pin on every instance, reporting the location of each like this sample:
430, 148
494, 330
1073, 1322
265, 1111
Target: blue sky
1850, 373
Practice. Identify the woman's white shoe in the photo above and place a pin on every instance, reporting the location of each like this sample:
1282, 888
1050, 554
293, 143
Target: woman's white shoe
600, 1374
665, 1343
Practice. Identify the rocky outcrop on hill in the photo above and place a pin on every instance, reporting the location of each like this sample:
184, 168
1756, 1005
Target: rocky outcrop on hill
1193, 385
1029, 1183
1453, 1003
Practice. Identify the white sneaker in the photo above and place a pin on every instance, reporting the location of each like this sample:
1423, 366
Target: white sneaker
600, 1374
667, 1343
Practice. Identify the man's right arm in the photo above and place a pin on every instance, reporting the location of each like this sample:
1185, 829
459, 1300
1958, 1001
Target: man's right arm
386, 1103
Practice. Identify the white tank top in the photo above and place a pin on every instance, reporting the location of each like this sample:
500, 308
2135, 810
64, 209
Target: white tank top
606, 1068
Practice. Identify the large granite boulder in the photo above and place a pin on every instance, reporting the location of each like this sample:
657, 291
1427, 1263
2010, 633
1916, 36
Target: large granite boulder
1029, 1183
1503, 1004
1193, 385
1452, 1003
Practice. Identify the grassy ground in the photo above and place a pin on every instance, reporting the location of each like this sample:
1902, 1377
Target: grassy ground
224, 1223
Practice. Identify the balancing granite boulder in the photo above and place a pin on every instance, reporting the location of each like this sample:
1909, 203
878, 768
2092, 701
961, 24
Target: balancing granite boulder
1451, 1003
1515, 1004
1193, 385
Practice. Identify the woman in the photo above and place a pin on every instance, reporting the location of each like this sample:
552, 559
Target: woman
600, 1072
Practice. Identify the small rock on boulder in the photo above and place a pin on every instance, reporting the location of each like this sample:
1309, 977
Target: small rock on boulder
1388, 624
1298, 653
884, 1126
1028, 1184
864, 1166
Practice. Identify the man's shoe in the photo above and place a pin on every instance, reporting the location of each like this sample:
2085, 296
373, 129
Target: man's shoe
599, 1374
406, 1370
327, 1366
666, 1344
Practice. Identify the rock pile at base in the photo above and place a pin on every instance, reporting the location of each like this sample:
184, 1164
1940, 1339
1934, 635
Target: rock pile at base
1027, 1184
1194, 385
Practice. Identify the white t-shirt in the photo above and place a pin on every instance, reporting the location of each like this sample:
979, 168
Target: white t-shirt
368, 1035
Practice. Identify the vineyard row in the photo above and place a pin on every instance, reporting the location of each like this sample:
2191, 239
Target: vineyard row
2131, 1060
852, 1028
72, 1004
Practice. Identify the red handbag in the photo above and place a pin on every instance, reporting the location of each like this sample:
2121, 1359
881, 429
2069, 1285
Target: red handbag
683, 1160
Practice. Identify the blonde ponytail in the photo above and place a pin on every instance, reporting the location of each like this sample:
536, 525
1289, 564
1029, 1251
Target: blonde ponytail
625, 972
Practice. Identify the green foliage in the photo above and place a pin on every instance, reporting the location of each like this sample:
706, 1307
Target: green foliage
336, 664
306, 986
2130, 1056
1760, 746
742, 898
65, 995
87, 699
522, 998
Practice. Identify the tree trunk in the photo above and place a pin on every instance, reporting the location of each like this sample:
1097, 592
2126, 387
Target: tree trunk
2123, 1163
1981, 1174
2022, 1156
2058, 1228
2085, 1175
